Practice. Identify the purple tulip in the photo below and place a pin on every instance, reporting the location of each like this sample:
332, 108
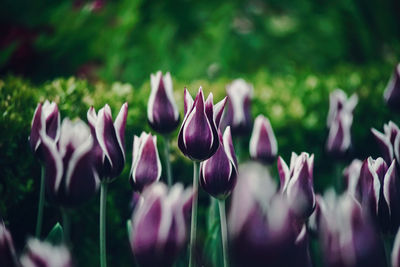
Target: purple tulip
391, 193
352, 178
348, 236
46, 118
42, 254
392, 92
146, 165
338, 103
110, 140
260, 221
314, 222
7, 250
302, 252
159, 225
218, 173
297, 183
263, 145
339, 138
69, 164
395, 257
387, 140
198, 136
162, 112
238, 114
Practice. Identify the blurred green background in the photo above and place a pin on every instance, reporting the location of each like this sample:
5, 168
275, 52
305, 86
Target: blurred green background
82, 53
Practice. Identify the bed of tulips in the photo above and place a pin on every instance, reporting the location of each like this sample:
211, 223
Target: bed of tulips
246, 204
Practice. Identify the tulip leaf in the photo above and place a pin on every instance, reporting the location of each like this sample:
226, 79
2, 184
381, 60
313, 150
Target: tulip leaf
56, 235
213, 245
129, 227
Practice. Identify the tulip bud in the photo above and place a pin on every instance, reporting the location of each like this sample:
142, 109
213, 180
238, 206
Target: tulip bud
146, 165
352, 178
46, 118
218, 173
42, 254
69, 164
338, 103
198, 136
391, 193
387, 140
110, 140
263, 145
392, 91
297, 183
162, 112
339, 139
238, 114
159, 225
7, 251
396, 251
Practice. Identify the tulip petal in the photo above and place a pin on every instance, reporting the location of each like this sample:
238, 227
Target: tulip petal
36, 127
284, 173
119, 124
384, 145
218, 110
395, 256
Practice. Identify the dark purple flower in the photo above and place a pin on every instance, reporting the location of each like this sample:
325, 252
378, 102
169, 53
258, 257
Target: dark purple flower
70, 174
392, 92
109, 141
263, 145
162, 112
387, 140
260, 221
218, 173
47, 119
338, 103
238, 114
146, 165
395, 257
159, 225
297, 183
352, 178
7, 251
42, 254
391, 193
198, 136
339, 138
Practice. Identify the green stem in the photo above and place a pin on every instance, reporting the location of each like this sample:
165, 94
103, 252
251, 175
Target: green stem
167, 161
224, 232
339, 177
39, 218
103, 200
193, 227
66, 225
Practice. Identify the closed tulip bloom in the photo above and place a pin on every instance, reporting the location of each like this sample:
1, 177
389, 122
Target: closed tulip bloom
391, 193
162, 112
387, 140
338, 103
218, 173
263, 145
69, 164
198, 136
395, 256
339, 138
42, 254
352, 178
110, 140
392, 92
46, 118
159, 225
146, 165
238, 114
297, 183
7, 250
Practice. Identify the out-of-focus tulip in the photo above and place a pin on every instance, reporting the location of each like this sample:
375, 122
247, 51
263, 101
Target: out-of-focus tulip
387, 140
218, 174
338, 103
260, 225
198, 136
238, 114
352, 178
7, 250
302, 252
146, 165
348, 236
339, 138
395, 256
42, 254
391, 193
46, 118
297, 183
314, 222
162, 112
263, 145
109, 143
392, 92
159, 225
70, 174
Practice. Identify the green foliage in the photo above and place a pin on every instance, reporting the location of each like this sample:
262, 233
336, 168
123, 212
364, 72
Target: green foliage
56, 235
